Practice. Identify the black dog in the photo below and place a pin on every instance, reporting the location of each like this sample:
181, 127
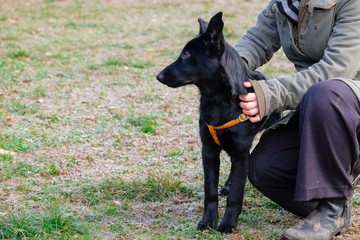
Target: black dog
210, 63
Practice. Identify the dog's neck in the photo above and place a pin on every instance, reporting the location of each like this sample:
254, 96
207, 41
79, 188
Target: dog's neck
217, 103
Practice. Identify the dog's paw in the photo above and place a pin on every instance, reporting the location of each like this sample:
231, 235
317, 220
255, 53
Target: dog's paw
226, 228
202, 226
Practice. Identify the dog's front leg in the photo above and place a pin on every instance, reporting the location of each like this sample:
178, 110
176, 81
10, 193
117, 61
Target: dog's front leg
211, 165
239, 170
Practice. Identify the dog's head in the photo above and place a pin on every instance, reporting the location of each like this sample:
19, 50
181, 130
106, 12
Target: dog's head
200, 59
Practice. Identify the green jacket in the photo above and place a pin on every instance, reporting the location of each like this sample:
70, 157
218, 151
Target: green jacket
325, 45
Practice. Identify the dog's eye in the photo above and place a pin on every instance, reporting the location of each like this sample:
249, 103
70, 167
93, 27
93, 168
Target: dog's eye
186, 55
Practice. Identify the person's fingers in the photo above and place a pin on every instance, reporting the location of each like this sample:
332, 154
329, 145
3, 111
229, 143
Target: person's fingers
247, 84
255, 118
248, 97
251, 112
249, 105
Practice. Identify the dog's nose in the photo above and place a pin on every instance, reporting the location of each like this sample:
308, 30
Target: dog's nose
160, 76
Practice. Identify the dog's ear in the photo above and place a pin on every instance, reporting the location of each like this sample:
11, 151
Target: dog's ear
213, 37
215, 28
203, 26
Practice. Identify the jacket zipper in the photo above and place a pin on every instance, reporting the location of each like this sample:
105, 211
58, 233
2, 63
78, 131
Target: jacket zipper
302, 12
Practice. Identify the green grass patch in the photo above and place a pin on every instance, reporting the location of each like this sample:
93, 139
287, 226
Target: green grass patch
10, 72
41, 74
23, 169
154, 188
14, 143
6, 158
96, 192
146, 124
178, 153
22, 109
19, 54
51, 223
38, 91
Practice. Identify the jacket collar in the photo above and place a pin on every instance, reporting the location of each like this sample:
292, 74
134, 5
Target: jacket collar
322, 4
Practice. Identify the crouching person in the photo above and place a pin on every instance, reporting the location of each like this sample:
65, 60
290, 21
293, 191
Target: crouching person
308, 162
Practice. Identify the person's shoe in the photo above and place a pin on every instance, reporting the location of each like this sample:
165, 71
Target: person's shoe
331, 217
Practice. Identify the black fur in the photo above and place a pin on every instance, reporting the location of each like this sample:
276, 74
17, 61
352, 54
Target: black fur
210, 63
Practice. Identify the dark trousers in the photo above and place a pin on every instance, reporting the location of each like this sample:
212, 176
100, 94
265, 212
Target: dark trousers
311, 157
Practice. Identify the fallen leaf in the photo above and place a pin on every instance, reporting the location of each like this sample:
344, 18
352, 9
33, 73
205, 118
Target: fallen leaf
65, 172
39, 100
150, 53
112, 108
90, 119
235, 237
12, 21
10, 120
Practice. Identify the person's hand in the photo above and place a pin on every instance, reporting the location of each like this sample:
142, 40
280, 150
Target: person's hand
249, 104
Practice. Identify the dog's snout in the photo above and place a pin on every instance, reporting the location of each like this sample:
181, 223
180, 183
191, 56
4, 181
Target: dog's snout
160, 76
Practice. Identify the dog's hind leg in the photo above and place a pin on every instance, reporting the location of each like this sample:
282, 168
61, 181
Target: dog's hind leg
239, 171
224, 191
211, 165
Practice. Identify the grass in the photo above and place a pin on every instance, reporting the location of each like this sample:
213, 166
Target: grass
146, 124
19, 54
21, 109
14, 143
153, 189
6, 158
100, 149
128, 63
52, 222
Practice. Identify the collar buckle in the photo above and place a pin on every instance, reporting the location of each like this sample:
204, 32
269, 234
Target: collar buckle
243, 117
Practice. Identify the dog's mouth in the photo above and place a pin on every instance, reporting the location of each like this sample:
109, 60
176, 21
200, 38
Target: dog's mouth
168, 78
173, 83
189, 81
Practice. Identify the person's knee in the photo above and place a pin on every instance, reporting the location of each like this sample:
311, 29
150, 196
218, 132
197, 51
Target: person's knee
317, 98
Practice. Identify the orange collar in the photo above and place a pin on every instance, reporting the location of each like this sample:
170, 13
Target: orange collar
233, 122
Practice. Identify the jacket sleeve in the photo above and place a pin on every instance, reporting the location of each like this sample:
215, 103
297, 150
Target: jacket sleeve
262, 40
341, 59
